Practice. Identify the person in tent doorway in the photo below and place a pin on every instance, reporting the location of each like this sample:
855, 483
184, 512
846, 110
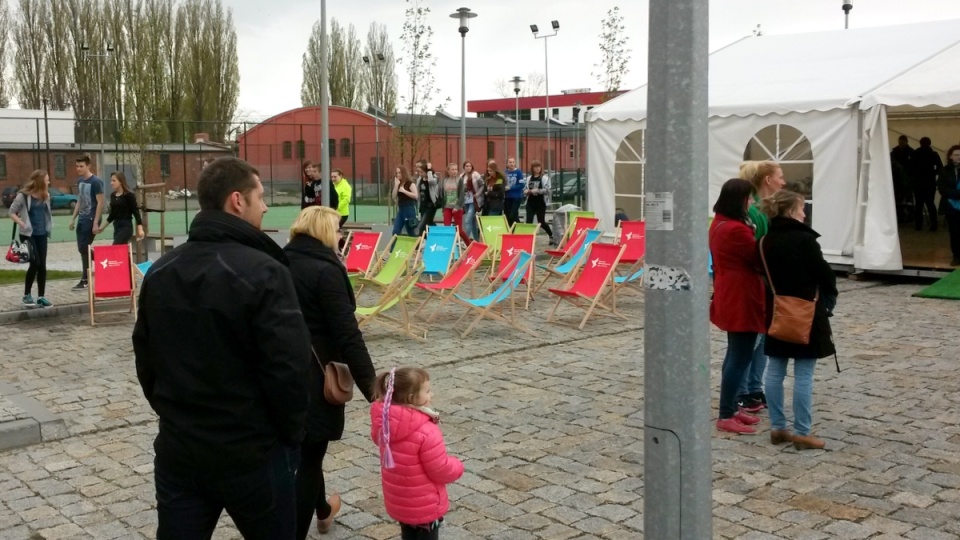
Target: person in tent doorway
926, 165
949, 187
900, 161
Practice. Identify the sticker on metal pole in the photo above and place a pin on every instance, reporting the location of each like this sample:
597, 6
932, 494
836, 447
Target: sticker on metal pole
666, 278
658, 210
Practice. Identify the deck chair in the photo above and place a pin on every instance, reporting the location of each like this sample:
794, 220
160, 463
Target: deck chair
111, 277
491, 229
397, 264
526, 228
511, 246
572, 235
362, 252
588, 290
395, 295
633, 236
631, 278
144, 267
568, 262
438, 250
461, 272
498, 292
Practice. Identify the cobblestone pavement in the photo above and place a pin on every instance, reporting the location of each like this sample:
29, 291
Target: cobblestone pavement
550, 429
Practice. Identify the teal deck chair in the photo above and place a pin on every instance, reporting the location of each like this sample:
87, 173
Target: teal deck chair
446, 229
438, 250
570, 263
500, 290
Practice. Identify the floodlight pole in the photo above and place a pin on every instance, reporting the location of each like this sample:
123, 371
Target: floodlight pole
516, 95
101, 165
463, 15
677, 415
324, 107
546, 81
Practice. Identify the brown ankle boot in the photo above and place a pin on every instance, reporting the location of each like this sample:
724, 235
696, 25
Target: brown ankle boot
807, 442
780, 436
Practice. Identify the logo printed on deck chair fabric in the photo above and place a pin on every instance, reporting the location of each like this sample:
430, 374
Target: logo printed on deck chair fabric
362, 247
438, 247
597, 262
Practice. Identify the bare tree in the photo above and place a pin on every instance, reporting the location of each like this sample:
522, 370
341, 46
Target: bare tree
346, 67
380, 75
310, 87
30, 59
61, 61
533, 86
5, 31
615, 57
211, 67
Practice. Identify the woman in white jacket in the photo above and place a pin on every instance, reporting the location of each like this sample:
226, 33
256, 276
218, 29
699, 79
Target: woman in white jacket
471, 195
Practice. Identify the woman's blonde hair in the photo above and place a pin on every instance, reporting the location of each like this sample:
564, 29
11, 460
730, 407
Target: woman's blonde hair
35, 185
781, 203
764, 169
320, 222
407, 382
748, 169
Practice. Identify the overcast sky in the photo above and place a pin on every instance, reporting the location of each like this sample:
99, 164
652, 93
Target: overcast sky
500, 45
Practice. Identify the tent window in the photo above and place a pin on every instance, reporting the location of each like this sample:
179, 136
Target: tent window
629, 174
789, 147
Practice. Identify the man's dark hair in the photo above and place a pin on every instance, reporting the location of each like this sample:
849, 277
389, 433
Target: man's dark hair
732, 195
338, 171
307, 164
83, 159
221, 178
925, 141
902, 138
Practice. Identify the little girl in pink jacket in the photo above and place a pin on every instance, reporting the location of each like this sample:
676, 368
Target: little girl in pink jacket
415, 467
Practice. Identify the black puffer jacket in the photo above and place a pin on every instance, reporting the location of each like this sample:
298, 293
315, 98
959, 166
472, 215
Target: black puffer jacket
328, 305
221, 348
798, 269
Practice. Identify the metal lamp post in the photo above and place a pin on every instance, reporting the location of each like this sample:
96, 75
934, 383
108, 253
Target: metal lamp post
102, 164
847, 6
546, 76
463, 15
516, 80
324, 107
376, 108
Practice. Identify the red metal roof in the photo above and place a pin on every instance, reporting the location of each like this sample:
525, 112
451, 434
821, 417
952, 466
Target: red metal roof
539, 102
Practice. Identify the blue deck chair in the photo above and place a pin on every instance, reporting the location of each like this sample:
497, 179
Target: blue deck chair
438, 251
447, 229
569, 262
500, 290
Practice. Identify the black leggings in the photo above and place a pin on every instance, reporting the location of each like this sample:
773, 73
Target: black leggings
538, 207
311, 491
38, 266
122, 231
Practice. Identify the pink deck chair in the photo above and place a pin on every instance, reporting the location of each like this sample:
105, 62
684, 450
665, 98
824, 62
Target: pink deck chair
362, 252
587, 292
461, 273
580, 224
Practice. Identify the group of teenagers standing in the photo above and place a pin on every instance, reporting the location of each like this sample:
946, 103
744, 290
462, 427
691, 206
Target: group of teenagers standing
761, 246
32, 212
463, 194
238, 385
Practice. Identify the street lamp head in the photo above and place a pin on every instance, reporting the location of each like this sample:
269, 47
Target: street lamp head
555, 25
366, 59
516, 80
847, 6
464, 15
109, 47
84, 47
380, 57
534, 29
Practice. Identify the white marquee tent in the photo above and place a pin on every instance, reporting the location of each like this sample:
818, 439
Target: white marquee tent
816, 102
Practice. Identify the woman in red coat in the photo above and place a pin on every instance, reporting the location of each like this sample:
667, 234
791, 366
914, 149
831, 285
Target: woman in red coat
738, 297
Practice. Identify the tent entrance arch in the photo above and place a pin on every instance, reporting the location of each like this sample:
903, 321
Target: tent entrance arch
629, 174
791, 149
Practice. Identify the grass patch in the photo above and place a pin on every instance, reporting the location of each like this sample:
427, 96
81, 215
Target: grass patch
9, 277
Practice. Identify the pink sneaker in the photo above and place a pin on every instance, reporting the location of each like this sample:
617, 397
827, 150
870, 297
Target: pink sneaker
733, 425
747, 419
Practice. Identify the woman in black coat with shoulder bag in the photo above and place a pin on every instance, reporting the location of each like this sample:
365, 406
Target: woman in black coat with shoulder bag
328, 306
796, 267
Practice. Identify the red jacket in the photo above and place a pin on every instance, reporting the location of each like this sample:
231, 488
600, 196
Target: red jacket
414, 490
738, 303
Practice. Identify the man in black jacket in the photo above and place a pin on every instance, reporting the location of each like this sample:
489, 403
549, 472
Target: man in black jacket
222, 354
925, 164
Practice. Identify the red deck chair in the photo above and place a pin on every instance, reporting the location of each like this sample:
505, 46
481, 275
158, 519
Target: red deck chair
596, 275
511, 246
633, 235
362, 252
573, 239
111, 277
461, 272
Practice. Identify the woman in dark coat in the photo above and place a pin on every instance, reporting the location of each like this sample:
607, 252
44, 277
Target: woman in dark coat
328, 305
948, 183
737, 306
797, 268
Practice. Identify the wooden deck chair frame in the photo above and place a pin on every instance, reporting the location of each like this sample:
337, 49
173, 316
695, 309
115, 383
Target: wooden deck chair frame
92, 287
504, 290
388, 252
504, 267
374, 260
587, 303
395, 294
581, 250
472, 256
631, 278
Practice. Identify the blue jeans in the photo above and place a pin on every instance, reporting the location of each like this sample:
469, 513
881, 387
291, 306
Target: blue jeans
752, 382
402, 221
802, 393
84, 230
740, 346
470, 220
261, 501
